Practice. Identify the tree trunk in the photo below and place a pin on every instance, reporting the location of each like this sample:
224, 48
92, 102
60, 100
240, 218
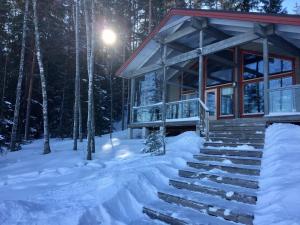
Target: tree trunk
20, 79
43, 79
3, 87
28, 107
150, 17
77, 79
90, 62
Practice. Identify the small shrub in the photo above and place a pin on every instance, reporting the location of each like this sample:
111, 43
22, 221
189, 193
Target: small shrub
154, 143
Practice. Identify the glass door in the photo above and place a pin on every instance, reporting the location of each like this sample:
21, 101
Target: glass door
211, 103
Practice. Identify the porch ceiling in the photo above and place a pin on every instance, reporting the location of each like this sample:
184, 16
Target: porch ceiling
180, 30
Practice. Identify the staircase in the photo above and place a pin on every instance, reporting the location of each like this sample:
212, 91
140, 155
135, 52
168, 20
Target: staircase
219, 186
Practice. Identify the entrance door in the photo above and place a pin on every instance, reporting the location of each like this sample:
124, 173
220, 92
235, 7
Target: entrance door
211, 103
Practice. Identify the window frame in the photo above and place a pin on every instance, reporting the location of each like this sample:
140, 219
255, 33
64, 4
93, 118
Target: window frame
243, 81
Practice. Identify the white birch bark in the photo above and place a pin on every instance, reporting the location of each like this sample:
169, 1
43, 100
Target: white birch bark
90, 64
20, 79
43, 79
77, 79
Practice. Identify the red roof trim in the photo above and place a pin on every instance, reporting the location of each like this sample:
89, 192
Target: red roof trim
252, 17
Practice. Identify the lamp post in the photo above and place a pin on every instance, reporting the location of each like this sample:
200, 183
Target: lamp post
109, 38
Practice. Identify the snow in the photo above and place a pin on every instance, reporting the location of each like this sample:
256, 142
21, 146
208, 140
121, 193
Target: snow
64, 188
229, 194
279, 199
227, 212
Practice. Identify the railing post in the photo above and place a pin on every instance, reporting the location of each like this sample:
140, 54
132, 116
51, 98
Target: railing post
200, 78
132, 90
266, 75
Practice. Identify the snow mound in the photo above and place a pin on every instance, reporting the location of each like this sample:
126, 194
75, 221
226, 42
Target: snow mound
63, 188
279, 198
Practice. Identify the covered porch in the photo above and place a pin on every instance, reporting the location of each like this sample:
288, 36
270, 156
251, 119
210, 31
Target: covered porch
199, 66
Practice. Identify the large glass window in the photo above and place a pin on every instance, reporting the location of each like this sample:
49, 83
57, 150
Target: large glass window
227, 101
219, 72
254, 66
148, 97
148, 88
253, 97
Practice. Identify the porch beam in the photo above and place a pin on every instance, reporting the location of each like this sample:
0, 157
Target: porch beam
266, 75
143, 70
229, 43
189, 71
179, 34
269, 31
132, 93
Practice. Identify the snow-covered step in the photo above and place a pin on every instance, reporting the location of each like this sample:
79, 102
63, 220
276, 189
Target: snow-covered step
225, 194
237, 134
222, 173
222, 179
231, 159
178, 215
220, 144
232, 152
208, 208
207, 165
236, 139
237, 207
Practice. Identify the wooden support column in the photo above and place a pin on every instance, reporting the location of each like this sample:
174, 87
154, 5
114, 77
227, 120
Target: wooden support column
164, 95
266, 75
200, 79
237, 63
132, 93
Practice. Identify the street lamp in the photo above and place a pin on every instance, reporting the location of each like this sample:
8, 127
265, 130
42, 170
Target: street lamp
109, 38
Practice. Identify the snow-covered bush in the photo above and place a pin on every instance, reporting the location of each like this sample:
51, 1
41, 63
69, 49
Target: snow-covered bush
154, 143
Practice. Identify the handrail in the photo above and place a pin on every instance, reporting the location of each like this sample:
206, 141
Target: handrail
180, 101
204, 105
148, 106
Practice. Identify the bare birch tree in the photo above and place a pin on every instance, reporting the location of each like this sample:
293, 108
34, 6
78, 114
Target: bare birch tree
77, 79
20, 79
43, 79
90, 36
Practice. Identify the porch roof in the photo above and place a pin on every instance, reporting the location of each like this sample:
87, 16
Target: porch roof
179, 30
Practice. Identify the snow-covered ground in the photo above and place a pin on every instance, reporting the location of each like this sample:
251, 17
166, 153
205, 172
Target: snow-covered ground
279, 196
63, 188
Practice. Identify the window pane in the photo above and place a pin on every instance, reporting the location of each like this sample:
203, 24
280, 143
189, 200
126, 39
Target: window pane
227, 101
253, 98
253, 66
211, 102
218, 73
148, 89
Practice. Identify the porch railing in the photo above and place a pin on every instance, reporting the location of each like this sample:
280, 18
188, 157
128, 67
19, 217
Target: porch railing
284, 100
184, 110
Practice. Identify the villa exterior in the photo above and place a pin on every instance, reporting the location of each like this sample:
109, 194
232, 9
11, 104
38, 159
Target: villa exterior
198, 66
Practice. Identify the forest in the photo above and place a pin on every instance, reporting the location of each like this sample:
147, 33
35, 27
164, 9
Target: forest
56, 74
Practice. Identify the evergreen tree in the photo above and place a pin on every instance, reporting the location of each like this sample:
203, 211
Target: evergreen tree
273, 6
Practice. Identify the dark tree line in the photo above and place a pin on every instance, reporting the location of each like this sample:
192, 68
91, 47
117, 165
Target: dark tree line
132, 19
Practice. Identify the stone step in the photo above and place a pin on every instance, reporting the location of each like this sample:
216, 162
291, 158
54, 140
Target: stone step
232, 152
238, 135
228, 168
212, 200
231, 159
223, 173
219, 179
237, 139
225, 194
208, 208
213, 128
221, 144
178, 215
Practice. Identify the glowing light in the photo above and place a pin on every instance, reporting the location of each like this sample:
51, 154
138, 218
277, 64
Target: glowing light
109, 37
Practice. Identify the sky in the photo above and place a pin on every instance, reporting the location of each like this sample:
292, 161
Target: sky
290, 5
